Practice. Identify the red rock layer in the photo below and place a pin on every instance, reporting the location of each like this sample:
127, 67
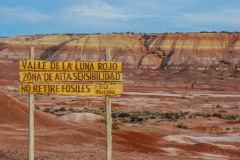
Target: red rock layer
136, 51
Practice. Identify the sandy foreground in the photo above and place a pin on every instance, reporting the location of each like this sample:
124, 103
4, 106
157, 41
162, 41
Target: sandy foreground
82, 135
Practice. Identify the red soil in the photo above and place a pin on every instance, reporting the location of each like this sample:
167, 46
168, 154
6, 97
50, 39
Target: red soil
16, 113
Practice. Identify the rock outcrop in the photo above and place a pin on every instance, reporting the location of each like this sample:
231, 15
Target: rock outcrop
136, 51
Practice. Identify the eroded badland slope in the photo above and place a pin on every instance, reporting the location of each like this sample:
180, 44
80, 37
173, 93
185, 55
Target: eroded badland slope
152, 51
181, 98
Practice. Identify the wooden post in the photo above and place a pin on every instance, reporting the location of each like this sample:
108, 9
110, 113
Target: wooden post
108, 117
31, 118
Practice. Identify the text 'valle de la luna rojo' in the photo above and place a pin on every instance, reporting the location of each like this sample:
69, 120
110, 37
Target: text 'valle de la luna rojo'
69, 66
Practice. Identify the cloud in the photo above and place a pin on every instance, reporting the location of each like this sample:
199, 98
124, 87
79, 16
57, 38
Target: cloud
125, 15
102, 10
226, 17
13, 14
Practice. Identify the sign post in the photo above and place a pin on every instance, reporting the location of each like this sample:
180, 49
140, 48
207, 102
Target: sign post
108, 117
104, 72
31, 117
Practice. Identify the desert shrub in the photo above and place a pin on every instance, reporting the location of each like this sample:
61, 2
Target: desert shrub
114, 115
85, 109
144, 122
146, 112
69, 34
225, 32
71, 109
136, 118
79, 110
176, 116
133, 118
115, 126
206, 115
215, 129
218, 115
203, 31
232, 117
75, 110
37, 107
47, 110
223, 111
169, 115
198, 114
185, 113
158, 113
123, 120
218, 106
153, 117
62, 109
140, 119
182, 126
98, 112
124, 114
136, 113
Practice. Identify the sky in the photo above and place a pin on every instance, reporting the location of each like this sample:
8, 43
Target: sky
27, 17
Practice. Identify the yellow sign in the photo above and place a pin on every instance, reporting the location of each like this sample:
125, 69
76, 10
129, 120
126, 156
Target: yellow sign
69, 66
70, 76
73, 89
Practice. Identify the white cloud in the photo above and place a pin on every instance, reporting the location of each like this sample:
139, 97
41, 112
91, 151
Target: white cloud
102, 10
230, 17
12, 14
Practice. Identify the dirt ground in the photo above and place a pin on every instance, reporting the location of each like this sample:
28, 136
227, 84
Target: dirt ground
209, 128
